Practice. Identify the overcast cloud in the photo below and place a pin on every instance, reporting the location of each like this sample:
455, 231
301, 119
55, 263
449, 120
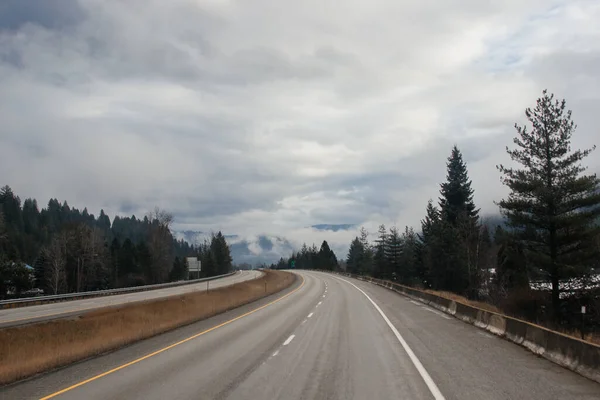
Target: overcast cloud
270, 116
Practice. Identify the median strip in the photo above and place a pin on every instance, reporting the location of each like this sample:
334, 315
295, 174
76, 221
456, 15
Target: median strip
35, 348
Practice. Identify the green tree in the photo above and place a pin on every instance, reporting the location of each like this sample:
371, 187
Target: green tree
326, 257
511, 264
459, 227
179, 271
221, 253
366, 264
393, 251
552, 205
355, 256
433, 257
408, 257
457, 194
380, 265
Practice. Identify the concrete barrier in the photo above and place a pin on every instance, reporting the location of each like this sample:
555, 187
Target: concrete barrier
572, 353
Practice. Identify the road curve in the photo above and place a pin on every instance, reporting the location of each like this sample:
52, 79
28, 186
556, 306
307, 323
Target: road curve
326, 337
44, 312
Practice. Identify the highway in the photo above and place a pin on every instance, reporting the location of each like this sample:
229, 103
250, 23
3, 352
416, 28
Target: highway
326, 337
44, 312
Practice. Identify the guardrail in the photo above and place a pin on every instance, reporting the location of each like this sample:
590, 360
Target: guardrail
33, 301
569, 352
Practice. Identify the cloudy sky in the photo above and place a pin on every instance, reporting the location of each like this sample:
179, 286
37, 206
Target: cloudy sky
270, 116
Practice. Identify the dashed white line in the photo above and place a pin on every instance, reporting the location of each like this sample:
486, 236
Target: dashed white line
437, 395
304, 321
310, 315
289, 340
416, 302
323, 296
487, 335
276, 352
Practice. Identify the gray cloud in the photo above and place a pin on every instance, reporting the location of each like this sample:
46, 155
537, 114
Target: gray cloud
49, 14
266, 118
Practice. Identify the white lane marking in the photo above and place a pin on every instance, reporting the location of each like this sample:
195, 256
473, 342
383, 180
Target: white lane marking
310, 315
289, 340
303, 321
424, 374
416, 302
319, 304
276, 352
323, 295
436, 312
487, 335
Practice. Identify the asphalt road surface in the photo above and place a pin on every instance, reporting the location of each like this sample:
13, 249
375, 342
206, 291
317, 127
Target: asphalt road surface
26, 315
326, 337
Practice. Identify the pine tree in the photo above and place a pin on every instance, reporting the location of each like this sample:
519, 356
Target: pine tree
511, 264
552, 206
221, 254
457, 195
408, 257
380, 268
458, 230
355, 257
393, 251
326, 257
366, 264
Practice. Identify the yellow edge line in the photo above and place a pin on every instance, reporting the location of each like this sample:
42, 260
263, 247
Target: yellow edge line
168, 347
36, 317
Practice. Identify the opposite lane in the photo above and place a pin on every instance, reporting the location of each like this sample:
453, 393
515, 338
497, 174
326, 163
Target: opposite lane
44, 312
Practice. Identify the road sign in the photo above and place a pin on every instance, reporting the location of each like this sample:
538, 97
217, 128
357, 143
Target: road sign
293, 263
194, 265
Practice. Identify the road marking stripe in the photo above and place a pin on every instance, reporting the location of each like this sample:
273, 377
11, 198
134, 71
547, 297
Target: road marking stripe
170, 346
289, 340
424, 374
310, 315
436, 312
276, 352
416, 302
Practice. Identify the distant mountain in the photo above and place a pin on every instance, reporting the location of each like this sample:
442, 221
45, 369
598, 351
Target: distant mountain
192, 237
333, 227
254, 250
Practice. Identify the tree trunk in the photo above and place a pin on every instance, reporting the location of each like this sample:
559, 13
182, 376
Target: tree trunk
555, 298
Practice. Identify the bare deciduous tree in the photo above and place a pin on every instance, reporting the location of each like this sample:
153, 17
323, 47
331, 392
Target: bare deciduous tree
55, 268
160, 244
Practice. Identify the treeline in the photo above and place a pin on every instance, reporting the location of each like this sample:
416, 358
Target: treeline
60, 249
550, 231
310, 258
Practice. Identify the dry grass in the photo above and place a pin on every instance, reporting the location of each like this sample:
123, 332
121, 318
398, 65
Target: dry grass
31, 349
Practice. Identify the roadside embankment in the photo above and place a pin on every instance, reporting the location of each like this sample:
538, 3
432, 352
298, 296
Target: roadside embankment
36, 348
